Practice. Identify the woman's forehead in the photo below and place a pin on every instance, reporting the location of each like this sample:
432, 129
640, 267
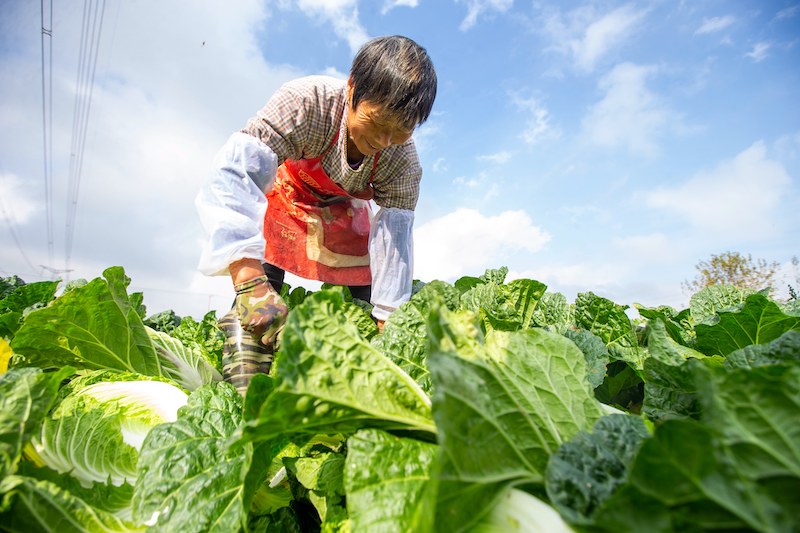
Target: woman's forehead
381, 114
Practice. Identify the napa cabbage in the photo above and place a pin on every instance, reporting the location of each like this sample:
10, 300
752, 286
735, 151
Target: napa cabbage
96, 431
519, 512
99, 326
477, 409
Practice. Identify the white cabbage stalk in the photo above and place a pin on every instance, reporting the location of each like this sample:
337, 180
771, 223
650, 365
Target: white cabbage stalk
520, 512
146, 403
609, 410
96, 432
183, 364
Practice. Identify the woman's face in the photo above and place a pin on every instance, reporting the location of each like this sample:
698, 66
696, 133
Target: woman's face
371, 128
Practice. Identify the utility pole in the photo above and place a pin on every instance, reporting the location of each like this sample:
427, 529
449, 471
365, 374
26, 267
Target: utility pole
55, 272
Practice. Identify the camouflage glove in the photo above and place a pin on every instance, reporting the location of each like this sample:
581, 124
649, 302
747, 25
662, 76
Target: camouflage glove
243, 356
260, 309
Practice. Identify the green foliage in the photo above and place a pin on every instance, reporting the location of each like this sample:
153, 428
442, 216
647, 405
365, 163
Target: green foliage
588, 469
609, 321
18, 298
477, 381
482, 406
330, 379
758, 321
98, 326
379, 466
26, 396
190, 457
109, 414
733, 268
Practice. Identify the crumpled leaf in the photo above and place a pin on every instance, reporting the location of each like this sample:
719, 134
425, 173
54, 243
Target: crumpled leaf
386, 479
96, 326
519, 394
26, 396
585, 471
190, 473
608, 321
329, 379
758, 321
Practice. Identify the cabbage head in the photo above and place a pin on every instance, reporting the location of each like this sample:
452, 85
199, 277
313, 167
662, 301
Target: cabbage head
97, 429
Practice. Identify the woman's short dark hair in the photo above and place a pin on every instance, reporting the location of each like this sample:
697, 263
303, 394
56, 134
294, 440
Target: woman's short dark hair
397, 73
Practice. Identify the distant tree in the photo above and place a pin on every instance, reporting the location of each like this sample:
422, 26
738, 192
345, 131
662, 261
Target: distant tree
733, 268
792, 288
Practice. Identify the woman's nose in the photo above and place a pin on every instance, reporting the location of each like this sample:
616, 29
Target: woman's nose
385, 139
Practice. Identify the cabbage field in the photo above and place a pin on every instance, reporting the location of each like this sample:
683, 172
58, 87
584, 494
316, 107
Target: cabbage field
484, 405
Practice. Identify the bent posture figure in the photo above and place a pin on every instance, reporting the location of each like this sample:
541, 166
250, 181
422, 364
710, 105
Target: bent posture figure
292, 191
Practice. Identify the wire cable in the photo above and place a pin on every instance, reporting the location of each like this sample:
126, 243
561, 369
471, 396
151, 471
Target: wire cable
91, 31
47, 125
14, 234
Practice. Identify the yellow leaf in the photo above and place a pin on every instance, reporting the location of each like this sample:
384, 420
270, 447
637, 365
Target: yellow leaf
30, 453
5, 355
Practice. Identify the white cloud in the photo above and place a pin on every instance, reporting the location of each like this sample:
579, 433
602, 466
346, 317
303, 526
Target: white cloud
342, 15
16, 202
466, 241
476, 8
715, 24
329, 5
388, 5
425, 135
586, 214
787, 275
498, 158
622, 271
787, 147
538, 127
161, 108
787, 13
482, 182
572, 278
333, 72
653, 248
618, 281
604, 34
736, 200
589, 36
461, 181
759, 51
629, 115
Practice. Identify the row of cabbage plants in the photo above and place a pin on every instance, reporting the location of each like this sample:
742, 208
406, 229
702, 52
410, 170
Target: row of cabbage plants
483, 405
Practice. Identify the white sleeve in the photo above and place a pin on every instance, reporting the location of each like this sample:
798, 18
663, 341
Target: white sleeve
232, 204
391, 252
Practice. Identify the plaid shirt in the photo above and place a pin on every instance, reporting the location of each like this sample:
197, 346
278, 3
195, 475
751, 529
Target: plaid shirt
301, 120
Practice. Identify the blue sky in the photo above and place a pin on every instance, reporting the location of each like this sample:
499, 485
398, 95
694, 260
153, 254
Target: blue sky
594, 146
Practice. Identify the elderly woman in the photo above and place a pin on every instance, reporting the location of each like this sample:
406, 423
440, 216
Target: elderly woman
291, 192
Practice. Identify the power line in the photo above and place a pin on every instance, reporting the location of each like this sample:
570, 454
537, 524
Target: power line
14, 234
54, 271
47, 124
91, 30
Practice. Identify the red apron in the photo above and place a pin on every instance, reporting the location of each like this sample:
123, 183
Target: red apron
314, 228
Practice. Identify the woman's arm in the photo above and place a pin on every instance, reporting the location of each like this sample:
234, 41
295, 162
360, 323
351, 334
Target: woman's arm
391, 250
231, 205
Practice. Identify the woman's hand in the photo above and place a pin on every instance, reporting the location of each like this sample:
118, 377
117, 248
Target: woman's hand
260, 309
